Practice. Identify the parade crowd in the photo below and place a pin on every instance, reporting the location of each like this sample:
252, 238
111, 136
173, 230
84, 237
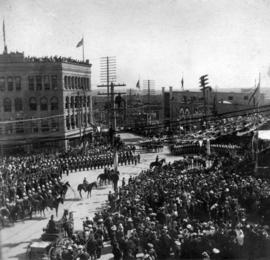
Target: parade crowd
32, 183
217, 212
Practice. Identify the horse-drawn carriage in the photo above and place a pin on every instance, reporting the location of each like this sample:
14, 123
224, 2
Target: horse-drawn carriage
50, 245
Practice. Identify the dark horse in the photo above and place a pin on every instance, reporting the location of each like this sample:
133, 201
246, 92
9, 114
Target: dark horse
86, 188
54, 203
64, 189
111, 176
157, 163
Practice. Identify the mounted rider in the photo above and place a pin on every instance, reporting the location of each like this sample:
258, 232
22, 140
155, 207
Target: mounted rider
85, 182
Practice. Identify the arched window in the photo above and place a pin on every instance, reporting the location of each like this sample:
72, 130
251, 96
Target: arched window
84, 101
88, 101
54, 82
54, 103
38, 83
69, 82
76, 102
87, 84
18, 83
76, 82
33, 104
47, 83
67, 102
18, 104
7, 105
10, 84
2, 84
72, 122
43, 104
72, 83
66, 82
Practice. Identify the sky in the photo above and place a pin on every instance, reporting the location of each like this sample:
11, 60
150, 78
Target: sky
159, 40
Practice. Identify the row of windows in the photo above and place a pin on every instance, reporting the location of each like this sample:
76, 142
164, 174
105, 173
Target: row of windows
77, 102
20, 128
76, 121
11, 83
39, 82
76, 83
33, 104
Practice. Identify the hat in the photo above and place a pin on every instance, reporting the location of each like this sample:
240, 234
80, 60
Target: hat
130, 220
205, 254
177, 243
150, 245
113, 228
216, 251
80, 247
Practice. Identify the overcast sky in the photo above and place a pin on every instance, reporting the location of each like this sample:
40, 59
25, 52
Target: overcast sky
151, 39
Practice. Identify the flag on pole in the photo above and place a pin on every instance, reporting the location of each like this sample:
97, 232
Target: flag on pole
138, 84
182, 83
80, 43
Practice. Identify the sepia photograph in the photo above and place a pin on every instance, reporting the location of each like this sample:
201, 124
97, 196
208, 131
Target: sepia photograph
134, 129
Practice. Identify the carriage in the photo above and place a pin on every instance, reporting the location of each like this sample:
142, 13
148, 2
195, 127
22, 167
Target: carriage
49, 246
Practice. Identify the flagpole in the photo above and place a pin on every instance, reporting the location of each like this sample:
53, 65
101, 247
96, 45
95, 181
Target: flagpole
83, 48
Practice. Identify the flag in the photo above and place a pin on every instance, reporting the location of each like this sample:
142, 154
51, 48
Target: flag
138, 84
182, 83
80, 43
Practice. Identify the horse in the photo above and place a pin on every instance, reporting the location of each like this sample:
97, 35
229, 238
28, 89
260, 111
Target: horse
64, 188
103, 177
86, 188
54, 204
157, 163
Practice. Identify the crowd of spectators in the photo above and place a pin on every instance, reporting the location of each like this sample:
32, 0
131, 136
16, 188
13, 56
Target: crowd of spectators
54, 59
171, 212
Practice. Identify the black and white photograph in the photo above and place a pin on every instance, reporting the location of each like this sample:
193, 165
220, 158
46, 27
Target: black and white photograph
134, 129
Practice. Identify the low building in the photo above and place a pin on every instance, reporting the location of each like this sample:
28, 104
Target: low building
45, 102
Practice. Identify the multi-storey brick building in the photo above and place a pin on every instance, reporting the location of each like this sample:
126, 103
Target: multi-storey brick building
45, 102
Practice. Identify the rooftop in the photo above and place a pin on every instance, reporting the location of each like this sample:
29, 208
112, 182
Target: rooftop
16, 57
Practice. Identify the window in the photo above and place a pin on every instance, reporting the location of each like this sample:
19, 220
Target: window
76, 102
67, 123
89, 118
55, 125
245, 97
7, 105
19, 127
77, 120
31, 83
46, 82
230, 97
54, 103
72, 83
18, 104
39, 83
72, 102
54, 82
76, 83
34, 126
10, 84
9, 128
69, 82
84, 101
88, 101
45, 125
43, 104
66, 82
72, 122
87, 83
67, 103
2, 84
18, 83
33, 104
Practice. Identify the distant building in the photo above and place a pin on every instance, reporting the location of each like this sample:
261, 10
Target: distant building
45, 102
185, 105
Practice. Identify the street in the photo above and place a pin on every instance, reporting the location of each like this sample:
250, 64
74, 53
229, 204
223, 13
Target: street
15, 239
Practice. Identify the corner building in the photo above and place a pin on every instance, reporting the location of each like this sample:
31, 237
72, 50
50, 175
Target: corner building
45, 103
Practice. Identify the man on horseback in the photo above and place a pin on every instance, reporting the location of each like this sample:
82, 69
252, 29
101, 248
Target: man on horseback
85, 182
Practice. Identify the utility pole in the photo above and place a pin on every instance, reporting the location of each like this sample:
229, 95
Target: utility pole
148, 85
107, 76
204, 86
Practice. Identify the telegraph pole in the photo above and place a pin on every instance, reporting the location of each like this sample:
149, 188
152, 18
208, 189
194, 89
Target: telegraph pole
148, 85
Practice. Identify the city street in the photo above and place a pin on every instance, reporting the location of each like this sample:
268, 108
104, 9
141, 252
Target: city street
14, 240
